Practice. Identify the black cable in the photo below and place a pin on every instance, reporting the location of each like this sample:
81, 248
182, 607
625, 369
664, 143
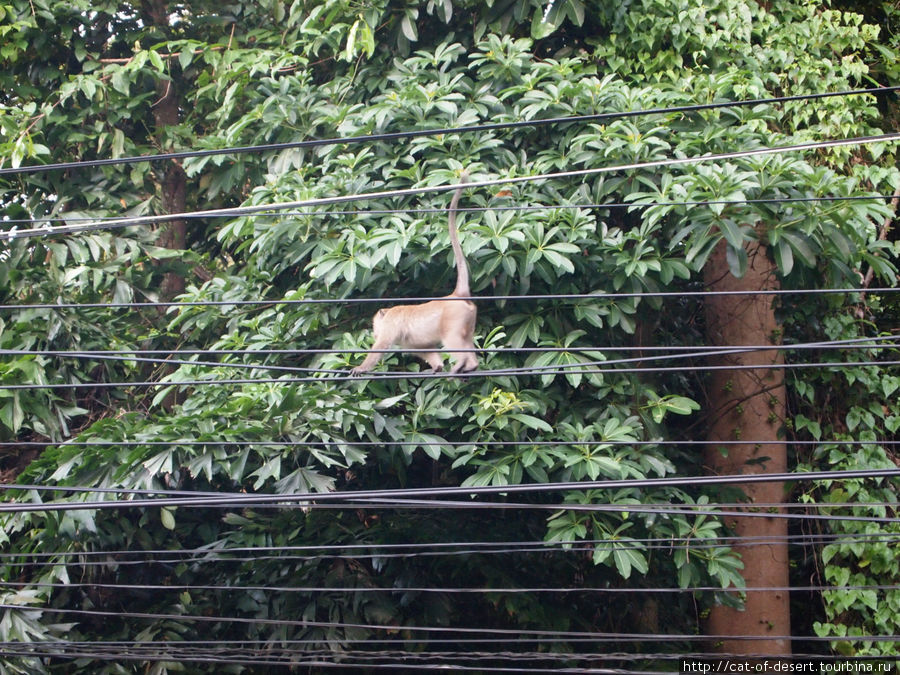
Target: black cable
281, 655
102, 558
747, 510
521, 631
869, 342
346, 376
743, 510
343, 660
124, 356
400, 640
689, 510
146, 492
178, 588
227, 500
265, 645
404, 192
454, 444
495, 126
596, 296
429, 549
100, 222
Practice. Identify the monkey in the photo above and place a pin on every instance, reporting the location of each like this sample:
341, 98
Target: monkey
447, 322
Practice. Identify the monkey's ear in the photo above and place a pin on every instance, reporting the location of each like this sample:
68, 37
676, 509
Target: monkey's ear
381, 312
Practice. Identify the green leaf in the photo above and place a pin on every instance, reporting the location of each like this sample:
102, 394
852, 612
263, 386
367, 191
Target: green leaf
351, 40
737, 261
185, 57
167, 517
784, 257
157, 61
120, 81
408, 25
801, 246
627, 559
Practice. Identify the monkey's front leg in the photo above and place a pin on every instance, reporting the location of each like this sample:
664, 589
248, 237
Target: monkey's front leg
372, 358
433, 359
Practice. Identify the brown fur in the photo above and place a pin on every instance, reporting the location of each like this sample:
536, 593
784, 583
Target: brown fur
443, 323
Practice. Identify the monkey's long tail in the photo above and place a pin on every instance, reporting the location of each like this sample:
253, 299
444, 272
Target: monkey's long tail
462, 270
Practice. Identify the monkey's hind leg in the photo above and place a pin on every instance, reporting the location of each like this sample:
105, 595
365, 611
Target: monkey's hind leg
464, 361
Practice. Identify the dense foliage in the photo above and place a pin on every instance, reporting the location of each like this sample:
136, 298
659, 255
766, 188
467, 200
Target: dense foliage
80, 81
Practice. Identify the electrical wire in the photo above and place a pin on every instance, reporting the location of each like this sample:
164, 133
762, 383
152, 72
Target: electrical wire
385, 551
879, 342
401, 640
595, 296
114, 222
265, 645
234, 499
599, 637
688, 510
340, 199
762, 510
285, 653
334, 376
494, 126
226, 557
442, 661
757, 509
121, 356
587, 206
871, 342
344, 659
452, 444
462, 590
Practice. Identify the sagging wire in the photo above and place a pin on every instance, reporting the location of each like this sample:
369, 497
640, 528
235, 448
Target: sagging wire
716, 350
594, 296
334, 375
394, 496
459, 590
494, 126
386, 551
599, 637
403, 192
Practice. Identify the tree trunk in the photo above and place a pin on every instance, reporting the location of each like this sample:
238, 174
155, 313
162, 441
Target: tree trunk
173, 186
174, 181
749, 406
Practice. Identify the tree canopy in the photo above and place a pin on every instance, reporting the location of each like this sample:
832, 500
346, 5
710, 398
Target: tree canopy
207, 355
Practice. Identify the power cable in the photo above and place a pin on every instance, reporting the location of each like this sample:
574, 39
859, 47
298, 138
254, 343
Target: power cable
870, 342
453, 444
186, 644
393, 628
125, 356
759, 510
234, 499
344, 659
495, 126
285, 653
113, 222
265, 646
461, 590
323, 201
595, 296
385, 551
688, 510
334, 376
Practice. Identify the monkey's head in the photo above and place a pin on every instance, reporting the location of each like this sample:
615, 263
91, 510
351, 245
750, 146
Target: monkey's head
378, 319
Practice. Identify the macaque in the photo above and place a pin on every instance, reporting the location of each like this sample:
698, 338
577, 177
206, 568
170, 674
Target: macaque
447, 323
